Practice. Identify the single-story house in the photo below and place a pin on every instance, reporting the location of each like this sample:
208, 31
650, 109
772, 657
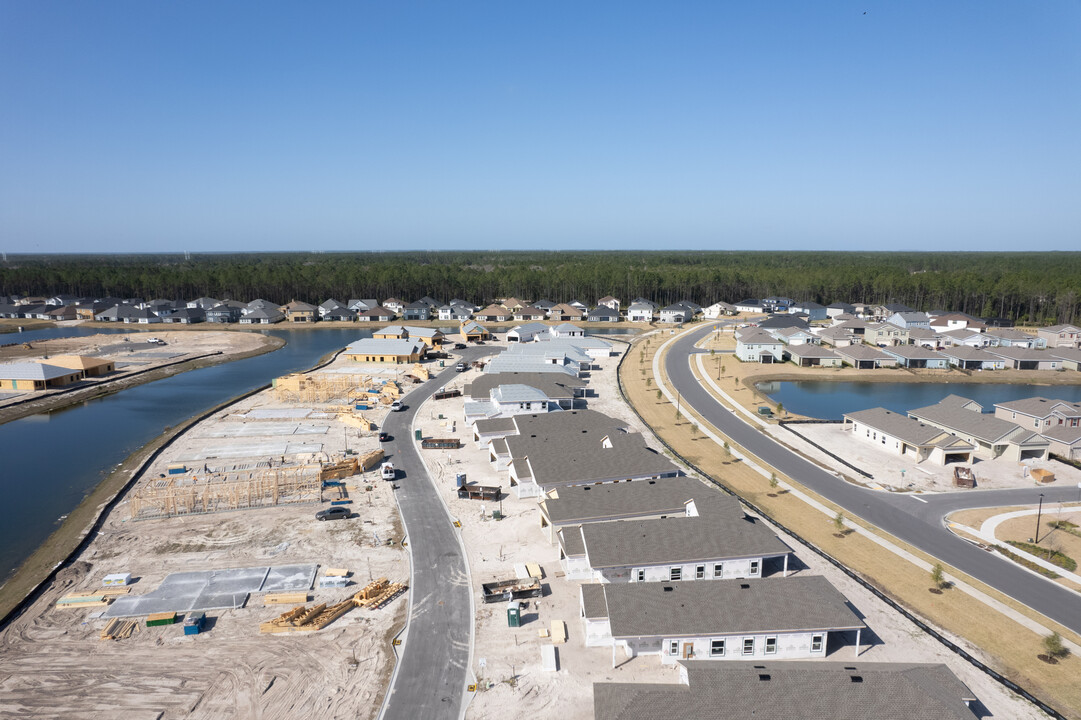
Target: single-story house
917, 356
507, 400
566, 311
795, 336
1009, 337
566, 330
561, 389
494, 313
1040, 413
527, 332
956, 321
967, 337
838, 336
529, 313
718, 309
88, 366
992, 436
780, 690
34, 376
376, 314
1070, 357
924, 337
603, 313
750, 306
579, 447
811, 355
779, 618
473, 331
1020, 358
391, 332
865, 357
970, 358
385, 351
1064, 441
657, 499
670, 550
906, 436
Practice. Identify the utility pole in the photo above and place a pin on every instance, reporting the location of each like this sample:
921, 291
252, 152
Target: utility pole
1039, 511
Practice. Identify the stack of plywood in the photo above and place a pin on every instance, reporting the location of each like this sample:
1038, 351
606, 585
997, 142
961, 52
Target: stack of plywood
84, 600
420, 371
285, 598
371, 460
388, 593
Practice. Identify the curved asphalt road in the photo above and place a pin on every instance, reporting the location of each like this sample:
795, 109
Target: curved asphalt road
430, 679
917, 523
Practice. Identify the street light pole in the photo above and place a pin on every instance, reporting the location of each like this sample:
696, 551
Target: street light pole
1038, 512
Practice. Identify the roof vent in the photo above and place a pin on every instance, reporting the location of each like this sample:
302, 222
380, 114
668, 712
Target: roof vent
764, 677
857, 678
668, 588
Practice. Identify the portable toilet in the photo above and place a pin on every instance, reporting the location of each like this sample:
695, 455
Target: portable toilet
417, 434
459, 480
514, 614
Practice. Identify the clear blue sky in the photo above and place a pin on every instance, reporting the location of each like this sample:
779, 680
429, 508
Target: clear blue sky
158, 126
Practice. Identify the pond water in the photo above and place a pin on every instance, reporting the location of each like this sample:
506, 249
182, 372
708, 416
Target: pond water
831, 400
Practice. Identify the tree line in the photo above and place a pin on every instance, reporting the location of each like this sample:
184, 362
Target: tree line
1039, 288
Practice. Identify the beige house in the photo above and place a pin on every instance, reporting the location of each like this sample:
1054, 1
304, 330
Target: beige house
300, 312
90, 367
398, 352
32, 377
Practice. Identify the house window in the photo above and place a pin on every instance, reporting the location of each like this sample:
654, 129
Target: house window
816, 643
716, 648
748, 646
700, 572
771, 646
675, 574
718, 570
673, 648
641, 576
755, 567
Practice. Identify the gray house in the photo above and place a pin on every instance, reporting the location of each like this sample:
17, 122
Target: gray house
768, 618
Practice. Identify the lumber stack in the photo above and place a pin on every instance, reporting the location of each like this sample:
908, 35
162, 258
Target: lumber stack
118, 629
74, 601
285, 598
389, 593
372, 589
305, 619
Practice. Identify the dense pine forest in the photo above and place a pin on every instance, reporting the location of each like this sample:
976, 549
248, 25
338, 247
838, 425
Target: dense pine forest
1039, 288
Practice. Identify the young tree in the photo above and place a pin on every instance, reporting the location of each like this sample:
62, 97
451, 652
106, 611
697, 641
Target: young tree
780, 408
659, 395
773, 481
727, 449
839, 522
938, 577
649, 382
1052, 644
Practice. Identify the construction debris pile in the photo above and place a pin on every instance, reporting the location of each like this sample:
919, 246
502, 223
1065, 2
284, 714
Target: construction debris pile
309, 619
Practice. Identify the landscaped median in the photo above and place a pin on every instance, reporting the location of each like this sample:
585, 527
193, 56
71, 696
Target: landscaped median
1001, 642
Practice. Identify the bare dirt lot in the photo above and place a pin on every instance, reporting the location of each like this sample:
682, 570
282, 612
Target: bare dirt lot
53, 663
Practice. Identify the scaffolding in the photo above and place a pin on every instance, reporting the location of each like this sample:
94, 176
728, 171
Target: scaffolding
218, 492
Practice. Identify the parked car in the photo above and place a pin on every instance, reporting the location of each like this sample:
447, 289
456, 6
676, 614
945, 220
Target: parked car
460, 367
397, 406
384, 437
335, 512
387, 471
459, 346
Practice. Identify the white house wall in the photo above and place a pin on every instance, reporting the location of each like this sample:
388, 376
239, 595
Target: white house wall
739, 568
790, 646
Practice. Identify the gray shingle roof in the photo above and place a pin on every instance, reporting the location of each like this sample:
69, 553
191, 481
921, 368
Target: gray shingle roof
862, 352
792, 691
983, 426
517, 393
1041, 407
593, 601
589, 503
554, 386
570, 540
495, 425
677, 540
371, 346
914, 352
904, 428
561, 457
1022, 353
720, 607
